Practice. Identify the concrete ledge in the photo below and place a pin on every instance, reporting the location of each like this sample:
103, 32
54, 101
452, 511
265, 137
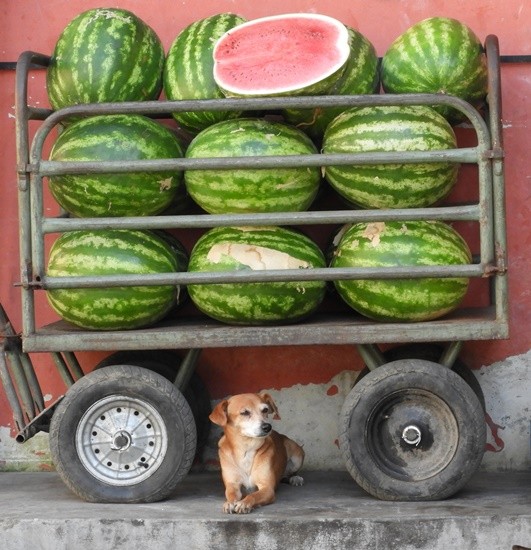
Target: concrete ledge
329, 512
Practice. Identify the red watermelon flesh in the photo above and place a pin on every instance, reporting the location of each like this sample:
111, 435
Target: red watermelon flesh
282, 54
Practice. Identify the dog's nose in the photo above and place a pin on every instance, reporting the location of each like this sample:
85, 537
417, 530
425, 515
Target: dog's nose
266, 428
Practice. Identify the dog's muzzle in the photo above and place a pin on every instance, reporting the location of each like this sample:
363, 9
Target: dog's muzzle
266, 428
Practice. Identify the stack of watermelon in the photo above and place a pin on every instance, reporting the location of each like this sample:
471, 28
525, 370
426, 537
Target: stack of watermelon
110, 55
288, 55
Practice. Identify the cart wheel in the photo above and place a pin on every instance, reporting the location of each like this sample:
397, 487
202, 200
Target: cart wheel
412, 430
432, 353
167, 363
123, 434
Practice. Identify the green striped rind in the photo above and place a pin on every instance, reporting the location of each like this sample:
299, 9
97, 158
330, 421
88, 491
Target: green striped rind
360, 77
317, 87
390, 128
252, 190
256, 303
116, 138
188, 70
179, 252
112, 252
437, 55
102, 55
418, 243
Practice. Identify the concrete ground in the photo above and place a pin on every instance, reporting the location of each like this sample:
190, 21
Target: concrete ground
330, 511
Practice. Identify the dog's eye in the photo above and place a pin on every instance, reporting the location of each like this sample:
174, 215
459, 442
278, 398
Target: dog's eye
245, 412
265, 410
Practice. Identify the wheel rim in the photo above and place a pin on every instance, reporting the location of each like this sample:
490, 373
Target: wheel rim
412, 435
121, 440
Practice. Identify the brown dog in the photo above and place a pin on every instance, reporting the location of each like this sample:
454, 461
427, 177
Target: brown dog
253, 457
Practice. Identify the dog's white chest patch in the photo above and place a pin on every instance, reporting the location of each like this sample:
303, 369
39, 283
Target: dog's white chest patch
245, 471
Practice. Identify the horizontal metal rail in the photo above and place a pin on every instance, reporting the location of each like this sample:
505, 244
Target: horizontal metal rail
266, 275
337, 217
165, 107
320, 329
57, 168
247, 104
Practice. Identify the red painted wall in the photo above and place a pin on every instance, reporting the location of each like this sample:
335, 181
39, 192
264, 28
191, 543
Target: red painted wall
36, 24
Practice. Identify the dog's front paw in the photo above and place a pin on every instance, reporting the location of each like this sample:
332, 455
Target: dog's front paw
237, 507
228, 507
242, 507
296, 481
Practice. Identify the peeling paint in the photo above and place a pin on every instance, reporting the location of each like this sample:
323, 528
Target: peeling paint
32, 456
310, 415
494, 432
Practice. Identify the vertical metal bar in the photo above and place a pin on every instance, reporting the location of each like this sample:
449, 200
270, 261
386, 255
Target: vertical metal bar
371, 355
73, 365
22, 146
186, 369
23, 114
21, 383
37, 206
11, 393
486, 226
62, 368
450, 354
501, 299
33, 382
22, 377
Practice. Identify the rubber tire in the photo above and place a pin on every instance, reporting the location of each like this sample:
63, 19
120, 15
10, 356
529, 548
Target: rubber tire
431, 352
358, 426
167, 364
138, 383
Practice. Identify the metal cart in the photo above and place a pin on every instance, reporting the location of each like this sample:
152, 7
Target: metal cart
412, 427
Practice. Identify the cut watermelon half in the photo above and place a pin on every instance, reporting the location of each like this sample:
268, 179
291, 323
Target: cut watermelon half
290, 54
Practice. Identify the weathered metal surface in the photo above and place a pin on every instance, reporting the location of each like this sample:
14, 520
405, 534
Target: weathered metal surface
469, 212
18, 376
269, 275
477, 324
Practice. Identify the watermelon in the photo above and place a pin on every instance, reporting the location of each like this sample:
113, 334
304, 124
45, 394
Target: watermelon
105, 54
390, 244
178, 249
360, 77
116, 138
256, 248
188, 71
390, 128
181, 255
113, 252
437, 55
290, 54
251, 190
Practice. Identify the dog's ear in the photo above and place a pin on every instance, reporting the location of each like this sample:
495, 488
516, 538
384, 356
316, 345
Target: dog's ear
219, 414
266, 398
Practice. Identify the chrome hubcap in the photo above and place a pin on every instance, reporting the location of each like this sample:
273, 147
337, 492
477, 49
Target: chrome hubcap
121, 440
